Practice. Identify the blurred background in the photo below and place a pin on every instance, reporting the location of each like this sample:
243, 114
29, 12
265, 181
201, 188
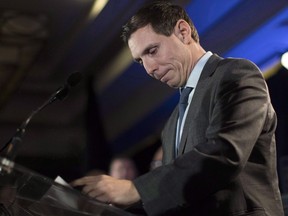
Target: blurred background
117, 109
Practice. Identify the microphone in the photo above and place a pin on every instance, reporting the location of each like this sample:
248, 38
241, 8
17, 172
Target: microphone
10, 148
63, 91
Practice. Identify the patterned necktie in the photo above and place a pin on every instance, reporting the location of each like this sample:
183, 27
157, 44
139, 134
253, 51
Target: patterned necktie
183, 102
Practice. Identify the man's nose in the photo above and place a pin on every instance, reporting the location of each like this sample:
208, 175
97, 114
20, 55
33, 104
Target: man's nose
150, 67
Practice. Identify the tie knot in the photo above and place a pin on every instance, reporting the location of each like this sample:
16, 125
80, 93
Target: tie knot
184, 95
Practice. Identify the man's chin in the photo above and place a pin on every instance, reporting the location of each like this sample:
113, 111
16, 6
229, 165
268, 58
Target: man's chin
172, 85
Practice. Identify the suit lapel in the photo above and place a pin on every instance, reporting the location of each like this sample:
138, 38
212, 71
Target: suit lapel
202, 84
169, 137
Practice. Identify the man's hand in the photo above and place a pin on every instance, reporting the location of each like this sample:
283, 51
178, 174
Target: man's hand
108, 189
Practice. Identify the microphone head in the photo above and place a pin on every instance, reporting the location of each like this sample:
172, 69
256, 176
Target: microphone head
74, 79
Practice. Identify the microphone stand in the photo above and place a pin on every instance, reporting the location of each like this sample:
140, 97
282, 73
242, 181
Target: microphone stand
9, 151
10, 148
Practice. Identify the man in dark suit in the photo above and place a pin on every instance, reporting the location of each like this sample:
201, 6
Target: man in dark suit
220, 159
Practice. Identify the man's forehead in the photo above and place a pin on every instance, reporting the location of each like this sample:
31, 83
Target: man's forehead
139, 32
138, 40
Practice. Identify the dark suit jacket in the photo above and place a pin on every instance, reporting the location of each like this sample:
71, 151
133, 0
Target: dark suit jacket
227, 159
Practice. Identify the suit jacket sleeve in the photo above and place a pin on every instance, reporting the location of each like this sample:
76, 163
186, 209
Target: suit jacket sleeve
229, 111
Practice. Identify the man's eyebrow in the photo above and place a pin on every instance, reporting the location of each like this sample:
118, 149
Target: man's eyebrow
145, 51
150, 46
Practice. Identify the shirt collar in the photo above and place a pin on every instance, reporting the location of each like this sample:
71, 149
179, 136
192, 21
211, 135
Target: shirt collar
196, 72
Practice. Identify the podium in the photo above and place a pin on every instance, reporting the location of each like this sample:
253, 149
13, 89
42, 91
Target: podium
26, 193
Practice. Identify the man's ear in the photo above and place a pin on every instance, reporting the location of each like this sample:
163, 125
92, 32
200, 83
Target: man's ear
183, 31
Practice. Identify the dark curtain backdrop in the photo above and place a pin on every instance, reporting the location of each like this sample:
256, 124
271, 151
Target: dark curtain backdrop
278, 87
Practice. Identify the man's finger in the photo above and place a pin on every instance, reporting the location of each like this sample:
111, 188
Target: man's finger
77, 182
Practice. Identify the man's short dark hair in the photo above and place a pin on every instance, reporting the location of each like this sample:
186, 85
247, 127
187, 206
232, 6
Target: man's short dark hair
162, 16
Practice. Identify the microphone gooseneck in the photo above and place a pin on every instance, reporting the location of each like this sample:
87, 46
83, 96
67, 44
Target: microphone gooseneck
9, 150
